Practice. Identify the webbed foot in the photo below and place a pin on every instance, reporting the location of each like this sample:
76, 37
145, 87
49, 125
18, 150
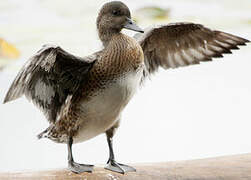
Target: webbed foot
112, 165
79, 168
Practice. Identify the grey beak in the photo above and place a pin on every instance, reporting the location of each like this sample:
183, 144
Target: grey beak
132, 26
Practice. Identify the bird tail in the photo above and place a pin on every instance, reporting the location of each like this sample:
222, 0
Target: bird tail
43, 134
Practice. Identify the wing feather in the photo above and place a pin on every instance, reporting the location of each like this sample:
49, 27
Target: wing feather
49, 77
183, 44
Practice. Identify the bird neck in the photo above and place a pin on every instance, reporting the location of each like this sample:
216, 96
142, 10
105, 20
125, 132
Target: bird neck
105, 35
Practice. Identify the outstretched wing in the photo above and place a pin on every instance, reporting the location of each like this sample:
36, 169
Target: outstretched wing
49, 77
183, 44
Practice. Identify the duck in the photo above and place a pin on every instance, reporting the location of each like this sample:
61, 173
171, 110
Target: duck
82, 97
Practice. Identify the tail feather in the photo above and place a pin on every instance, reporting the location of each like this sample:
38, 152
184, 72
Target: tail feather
58, 138
43, 134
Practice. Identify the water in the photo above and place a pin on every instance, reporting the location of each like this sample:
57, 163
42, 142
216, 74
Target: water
192, 112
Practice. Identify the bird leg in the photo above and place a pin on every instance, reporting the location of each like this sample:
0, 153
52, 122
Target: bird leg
112, 165
73, 166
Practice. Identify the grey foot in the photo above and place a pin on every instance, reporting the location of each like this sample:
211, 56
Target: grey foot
119, 168
79, 168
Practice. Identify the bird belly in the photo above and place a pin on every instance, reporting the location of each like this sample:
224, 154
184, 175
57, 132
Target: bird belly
102, 111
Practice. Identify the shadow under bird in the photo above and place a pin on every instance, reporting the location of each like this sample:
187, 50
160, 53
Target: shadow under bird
83, 97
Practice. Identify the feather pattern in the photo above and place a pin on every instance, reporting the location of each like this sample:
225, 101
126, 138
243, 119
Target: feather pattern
49, 77
182, 44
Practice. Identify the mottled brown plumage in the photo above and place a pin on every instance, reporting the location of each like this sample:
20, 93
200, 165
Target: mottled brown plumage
84, 97
119, 58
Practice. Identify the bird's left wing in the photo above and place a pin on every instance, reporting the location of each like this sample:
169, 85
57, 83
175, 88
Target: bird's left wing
183, 44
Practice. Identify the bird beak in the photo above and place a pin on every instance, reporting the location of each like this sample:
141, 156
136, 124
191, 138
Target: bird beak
132, 26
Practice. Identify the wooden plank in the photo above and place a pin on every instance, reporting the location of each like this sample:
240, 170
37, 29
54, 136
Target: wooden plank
236, 167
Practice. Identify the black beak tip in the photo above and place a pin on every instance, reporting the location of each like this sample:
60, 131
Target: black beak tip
141, 31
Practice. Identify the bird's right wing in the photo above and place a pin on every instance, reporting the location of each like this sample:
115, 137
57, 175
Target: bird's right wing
49, 77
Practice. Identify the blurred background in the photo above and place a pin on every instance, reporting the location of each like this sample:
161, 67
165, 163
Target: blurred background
187, 113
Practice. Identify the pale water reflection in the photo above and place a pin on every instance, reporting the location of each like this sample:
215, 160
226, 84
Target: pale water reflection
193, 112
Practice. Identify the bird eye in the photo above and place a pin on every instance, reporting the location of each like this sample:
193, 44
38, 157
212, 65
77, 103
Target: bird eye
115, 12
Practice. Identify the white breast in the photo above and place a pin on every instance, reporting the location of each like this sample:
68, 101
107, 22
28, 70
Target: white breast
102, 111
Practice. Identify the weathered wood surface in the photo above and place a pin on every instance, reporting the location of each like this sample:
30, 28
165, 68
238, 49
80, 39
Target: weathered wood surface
236, 167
